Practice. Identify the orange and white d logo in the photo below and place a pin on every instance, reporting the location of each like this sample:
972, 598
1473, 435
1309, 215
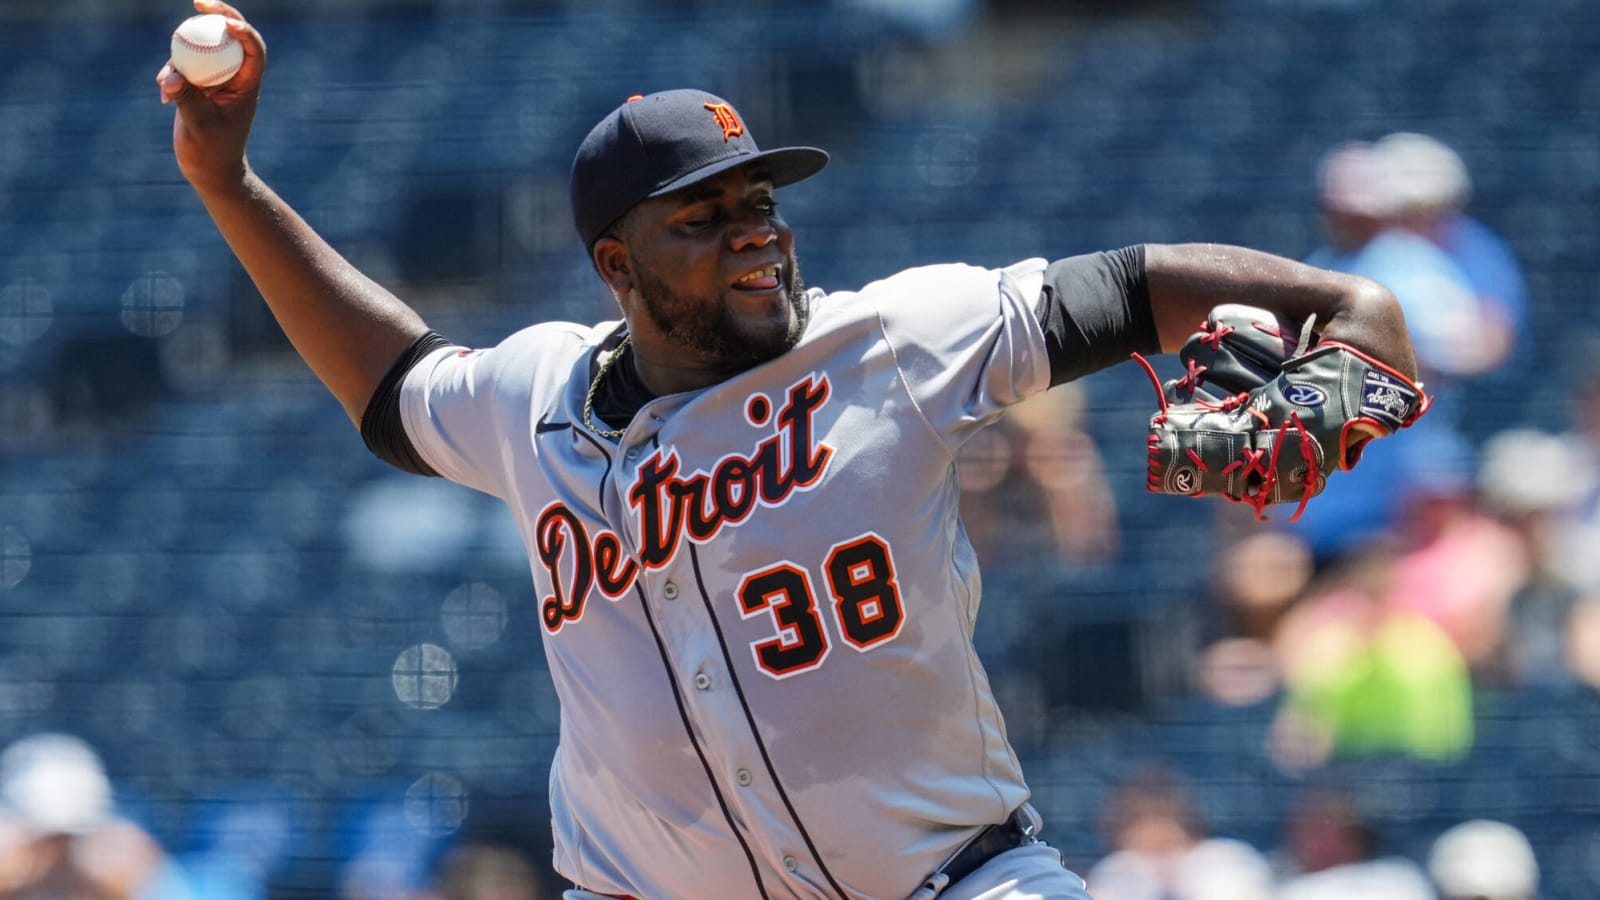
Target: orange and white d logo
727, 119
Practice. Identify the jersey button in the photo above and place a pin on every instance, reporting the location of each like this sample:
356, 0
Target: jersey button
744, 777
633, 453
669, 590
791, 863
702, 681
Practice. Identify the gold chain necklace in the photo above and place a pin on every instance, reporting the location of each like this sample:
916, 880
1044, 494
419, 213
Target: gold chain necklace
594, 387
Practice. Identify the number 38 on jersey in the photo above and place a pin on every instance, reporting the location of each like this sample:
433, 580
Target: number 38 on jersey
862, 602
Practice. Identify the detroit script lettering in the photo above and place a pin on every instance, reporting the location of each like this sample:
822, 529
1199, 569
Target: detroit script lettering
670, 506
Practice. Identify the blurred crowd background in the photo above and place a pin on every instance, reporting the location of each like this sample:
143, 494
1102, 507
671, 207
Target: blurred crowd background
240, 658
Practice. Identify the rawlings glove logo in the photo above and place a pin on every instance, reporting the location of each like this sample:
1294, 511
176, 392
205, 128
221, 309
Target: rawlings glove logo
1386, 399
1305, 395
1183, 480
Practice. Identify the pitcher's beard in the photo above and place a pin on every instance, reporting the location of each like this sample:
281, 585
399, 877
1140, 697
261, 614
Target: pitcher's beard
712, 330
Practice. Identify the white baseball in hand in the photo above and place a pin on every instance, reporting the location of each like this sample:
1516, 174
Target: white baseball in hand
204, 52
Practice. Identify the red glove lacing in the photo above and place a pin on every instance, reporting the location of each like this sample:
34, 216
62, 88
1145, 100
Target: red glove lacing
1250, 462
1190, 382
1213, 336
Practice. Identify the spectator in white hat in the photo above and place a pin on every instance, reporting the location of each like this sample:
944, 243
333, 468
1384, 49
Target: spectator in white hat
59, 833
1431, 190
1361, 195
1484, 860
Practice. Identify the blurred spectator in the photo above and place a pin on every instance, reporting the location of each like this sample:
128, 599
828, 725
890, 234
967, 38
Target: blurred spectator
1161, 852
1459, 568
1360, 196
1579, 529
1236, 672
1583, 642
1254, 581
1355, 202
1334, 855
1547, 488
1432, 188
59, 836
1033, 487
1484, 860
1532, 482
1365, 676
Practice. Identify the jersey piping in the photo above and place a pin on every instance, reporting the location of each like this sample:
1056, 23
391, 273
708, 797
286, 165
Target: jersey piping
755, 732
968, 618
677, 693
688, 729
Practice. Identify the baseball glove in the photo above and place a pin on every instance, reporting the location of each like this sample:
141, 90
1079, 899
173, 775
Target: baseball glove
1265, 410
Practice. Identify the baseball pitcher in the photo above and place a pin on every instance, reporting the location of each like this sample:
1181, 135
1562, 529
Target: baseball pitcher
739, 497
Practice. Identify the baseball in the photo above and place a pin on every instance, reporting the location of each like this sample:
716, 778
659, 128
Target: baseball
204, 52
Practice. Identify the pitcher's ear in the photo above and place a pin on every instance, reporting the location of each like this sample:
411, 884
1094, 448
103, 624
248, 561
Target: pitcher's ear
611, 260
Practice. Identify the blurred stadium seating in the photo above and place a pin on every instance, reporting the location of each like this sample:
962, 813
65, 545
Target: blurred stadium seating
200, 571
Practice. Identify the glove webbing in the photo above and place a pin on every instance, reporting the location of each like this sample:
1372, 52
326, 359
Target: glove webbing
1212, 334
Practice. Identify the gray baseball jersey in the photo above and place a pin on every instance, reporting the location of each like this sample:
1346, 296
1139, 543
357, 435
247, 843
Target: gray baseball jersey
758, 603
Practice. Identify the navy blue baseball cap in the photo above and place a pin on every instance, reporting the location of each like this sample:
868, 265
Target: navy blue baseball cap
659, 143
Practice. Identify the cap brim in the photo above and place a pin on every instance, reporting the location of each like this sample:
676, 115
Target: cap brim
786, 165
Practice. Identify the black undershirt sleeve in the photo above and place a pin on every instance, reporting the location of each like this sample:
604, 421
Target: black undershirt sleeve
381, 427
1095, 311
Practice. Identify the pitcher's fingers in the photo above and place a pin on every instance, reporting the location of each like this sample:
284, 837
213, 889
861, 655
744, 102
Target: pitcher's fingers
251, 41
177, 89
217, 6
238, 26
172, 83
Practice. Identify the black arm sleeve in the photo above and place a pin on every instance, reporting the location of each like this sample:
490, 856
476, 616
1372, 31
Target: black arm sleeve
1095, 311
381, 428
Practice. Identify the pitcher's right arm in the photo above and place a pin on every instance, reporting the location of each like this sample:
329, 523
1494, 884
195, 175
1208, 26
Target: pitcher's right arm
348, 328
